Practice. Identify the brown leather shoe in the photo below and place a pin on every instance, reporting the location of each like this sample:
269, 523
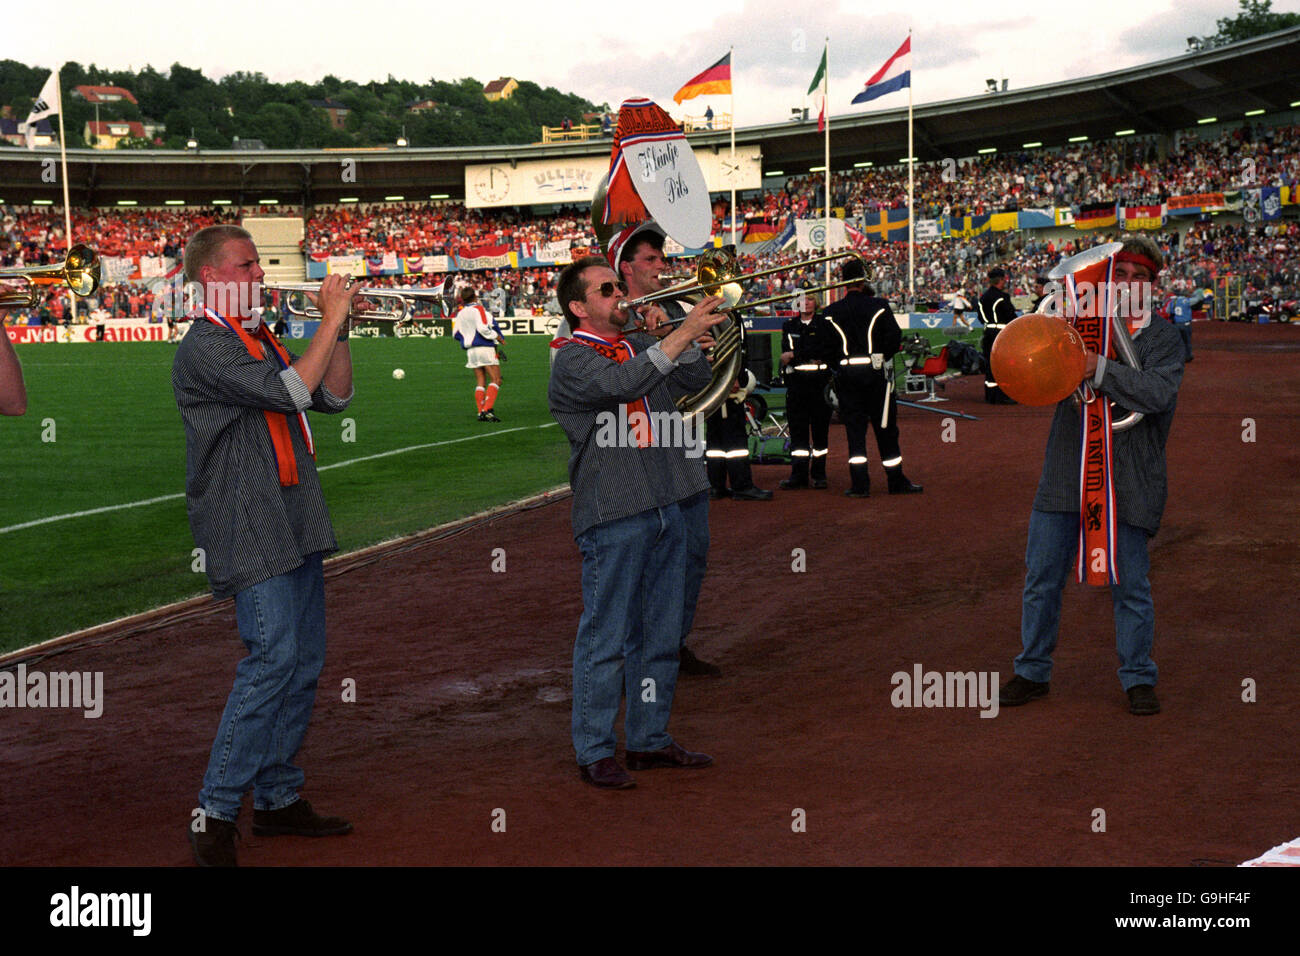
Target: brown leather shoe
606, 774
298, 819
674, 755
215, 846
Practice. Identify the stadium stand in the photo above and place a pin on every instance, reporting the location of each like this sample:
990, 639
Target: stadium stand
1123, 171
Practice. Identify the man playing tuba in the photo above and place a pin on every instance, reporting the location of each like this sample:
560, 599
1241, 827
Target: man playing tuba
1139, 493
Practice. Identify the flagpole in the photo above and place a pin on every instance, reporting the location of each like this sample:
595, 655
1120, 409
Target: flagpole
911, 218
63, 156
731, 52
826, 154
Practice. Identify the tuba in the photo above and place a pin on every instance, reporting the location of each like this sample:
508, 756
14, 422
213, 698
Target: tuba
1038, 359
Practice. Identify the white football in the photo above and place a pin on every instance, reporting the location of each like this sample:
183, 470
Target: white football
398, 374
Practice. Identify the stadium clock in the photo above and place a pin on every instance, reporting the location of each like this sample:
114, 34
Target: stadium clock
491, 184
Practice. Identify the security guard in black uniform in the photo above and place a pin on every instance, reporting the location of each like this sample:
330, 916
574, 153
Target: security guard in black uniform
727, 437
810, 350
996, 311
864, 382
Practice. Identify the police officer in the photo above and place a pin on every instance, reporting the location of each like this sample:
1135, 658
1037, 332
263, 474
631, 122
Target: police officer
996, 311
727, 437
810, 350
864, 382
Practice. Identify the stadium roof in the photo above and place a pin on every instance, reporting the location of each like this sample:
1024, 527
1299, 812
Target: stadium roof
1258, 74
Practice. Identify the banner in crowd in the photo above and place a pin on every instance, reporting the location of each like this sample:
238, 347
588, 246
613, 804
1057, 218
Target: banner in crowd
1263, 204
1036, 218
572, 181
115, 330
1004, 221
812, 234
964, 227
886, 225
390, 264
778, 242
345, 266
759, 230
1142, 217
1096, 215
556, 252
508, 260
1196, 203
927, 230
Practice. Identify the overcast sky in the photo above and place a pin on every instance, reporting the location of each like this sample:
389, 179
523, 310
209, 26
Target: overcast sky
608, 51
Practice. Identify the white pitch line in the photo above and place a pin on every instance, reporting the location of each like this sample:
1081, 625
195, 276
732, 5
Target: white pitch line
338, 464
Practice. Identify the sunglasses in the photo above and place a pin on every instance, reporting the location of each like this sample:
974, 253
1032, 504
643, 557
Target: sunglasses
606, 289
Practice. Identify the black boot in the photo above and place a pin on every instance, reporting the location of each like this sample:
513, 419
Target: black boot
717, 469
898, 483
798, 472
860, 480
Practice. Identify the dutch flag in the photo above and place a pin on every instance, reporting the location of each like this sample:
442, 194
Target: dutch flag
894, 75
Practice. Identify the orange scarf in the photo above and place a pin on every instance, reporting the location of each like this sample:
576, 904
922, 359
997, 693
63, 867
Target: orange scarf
620, 351
276, 422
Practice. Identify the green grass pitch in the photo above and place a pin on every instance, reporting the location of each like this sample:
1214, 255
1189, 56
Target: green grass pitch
102, 429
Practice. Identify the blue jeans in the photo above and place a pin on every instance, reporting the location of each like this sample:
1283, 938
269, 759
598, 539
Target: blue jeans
695, 512
282, 623
1049, 558
633, 576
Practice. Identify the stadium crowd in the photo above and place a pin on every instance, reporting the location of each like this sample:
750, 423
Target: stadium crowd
1126, 171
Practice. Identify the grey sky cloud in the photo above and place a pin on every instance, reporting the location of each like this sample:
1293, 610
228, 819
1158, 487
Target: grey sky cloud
604, 53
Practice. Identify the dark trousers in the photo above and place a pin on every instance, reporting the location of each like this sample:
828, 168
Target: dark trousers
727, 457
809, 419
992, 394
862, 392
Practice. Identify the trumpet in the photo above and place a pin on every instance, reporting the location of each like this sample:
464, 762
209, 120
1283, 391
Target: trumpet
80, 271
395, 304
718, 273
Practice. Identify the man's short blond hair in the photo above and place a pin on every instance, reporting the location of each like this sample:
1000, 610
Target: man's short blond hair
205, 245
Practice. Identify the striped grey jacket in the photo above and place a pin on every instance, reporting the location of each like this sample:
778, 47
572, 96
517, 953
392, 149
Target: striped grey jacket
249, 527
615, 482
1141, 484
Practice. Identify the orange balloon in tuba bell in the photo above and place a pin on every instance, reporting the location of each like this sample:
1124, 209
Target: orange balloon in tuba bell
1038, 359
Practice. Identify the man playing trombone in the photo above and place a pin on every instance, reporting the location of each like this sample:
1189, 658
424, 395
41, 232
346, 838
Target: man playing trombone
637, 255
259, 519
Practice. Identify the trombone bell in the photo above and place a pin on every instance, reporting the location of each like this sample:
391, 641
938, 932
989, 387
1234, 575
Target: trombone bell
80, 272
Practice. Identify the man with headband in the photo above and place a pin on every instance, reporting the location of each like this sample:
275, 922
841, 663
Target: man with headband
1139, 477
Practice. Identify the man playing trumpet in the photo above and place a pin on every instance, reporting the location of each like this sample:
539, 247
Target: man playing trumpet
259, 518
1140, 492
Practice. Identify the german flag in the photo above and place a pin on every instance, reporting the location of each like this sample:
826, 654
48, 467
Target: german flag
1096, 215
716, 79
